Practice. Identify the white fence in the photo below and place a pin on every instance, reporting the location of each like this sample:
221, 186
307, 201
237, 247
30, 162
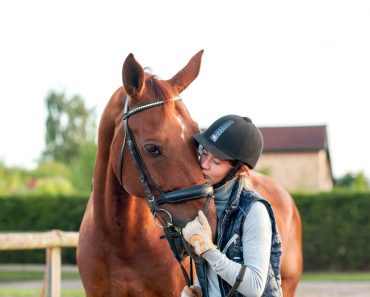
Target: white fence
53, 241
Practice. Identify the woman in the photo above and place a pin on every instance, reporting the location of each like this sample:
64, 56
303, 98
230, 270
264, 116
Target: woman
246, 257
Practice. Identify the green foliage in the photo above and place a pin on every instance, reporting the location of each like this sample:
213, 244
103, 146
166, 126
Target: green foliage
19, 275
50, 168
69, 124
336, 277
36, 292
357, 182
49, 178
82, 170
40, 214
336, 230
12, 180
336, 227
53, 187
265, 171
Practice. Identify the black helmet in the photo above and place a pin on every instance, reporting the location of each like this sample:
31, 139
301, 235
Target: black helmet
233, 137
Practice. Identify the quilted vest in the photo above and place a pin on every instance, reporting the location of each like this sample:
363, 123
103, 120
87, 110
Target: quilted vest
229, 225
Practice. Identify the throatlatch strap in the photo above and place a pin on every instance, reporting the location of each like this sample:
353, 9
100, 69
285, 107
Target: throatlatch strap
238, 280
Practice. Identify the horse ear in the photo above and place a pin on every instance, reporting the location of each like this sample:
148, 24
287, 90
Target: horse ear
185, 76
132, 77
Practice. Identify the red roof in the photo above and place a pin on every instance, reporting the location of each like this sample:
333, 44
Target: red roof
302, 138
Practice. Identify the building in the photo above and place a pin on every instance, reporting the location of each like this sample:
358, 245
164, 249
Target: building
298, 157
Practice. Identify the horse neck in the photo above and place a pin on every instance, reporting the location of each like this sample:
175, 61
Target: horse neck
115, 210
122, 216
102, 170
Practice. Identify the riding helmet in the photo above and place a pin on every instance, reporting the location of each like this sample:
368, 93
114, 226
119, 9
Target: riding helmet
233, 137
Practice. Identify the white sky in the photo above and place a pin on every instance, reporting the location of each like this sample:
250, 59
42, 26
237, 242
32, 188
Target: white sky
278, 62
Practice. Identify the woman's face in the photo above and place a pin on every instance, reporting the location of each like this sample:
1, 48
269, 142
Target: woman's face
214, 169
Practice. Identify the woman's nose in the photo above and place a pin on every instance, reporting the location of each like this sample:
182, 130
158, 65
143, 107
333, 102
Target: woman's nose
204, 162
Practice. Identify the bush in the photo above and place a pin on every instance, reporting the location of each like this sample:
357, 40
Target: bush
336, 230
22, 214
336, 227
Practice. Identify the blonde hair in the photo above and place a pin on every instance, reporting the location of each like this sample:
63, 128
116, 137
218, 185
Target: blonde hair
243, 171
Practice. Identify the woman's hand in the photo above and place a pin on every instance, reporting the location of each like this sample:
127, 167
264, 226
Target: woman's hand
199, 234
191, 292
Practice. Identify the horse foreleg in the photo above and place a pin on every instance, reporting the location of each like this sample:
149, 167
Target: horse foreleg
93, 270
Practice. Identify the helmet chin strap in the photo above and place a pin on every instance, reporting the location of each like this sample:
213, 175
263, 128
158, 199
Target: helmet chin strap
229, 175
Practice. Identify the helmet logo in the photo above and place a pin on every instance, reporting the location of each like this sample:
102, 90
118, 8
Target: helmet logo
215, 135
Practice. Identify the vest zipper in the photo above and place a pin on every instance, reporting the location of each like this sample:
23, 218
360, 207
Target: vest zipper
221, 228
231, 240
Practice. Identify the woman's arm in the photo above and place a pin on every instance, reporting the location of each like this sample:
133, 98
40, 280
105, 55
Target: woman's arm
256, 240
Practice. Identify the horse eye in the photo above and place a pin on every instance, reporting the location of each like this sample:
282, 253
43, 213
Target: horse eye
152, 150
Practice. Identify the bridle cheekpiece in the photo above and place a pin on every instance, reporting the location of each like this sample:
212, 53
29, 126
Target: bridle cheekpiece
172, 232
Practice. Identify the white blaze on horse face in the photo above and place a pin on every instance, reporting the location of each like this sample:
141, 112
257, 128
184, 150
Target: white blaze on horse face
183, 127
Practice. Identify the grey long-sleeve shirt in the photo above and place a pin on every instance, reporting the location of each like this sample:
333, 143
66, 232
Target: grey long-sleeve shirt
256, 240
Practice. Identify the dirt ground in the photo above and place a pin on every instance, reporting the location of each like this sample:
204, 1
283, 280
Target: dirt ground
333, 289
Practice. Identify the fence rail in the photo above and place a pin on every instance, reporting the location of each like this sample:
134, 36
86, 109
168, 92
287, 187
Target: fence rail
52, 241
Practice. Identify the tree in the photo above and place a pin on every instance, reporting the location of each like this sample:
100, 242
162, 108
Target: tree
10, 179
82, 170
69, 125
353, 181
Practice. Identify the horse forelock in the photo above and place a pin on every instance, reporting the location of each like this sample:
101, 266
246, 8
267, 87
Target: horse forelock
157, 89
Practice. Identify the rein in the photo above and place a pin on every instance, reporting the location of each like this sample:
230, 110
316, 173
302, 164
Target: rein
172, 232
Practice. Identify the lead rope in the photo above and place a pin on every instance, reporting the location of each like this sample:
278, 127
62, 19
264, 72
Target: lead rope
238, 280
169, 235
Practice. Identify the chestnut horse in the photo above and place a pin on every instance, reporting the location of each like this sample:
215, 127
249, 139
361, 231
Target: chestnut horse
120, 252
145, 149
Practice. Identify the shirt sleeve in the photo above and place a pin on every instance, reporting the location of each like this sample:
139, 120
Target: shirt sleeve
256, 240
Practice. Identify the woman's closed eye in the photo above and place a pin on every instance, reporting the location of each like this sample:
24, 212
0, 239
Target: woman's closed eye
217, 161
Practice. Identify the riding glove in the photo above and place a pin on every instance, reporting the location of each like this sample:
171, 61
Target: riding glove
191, 292
199, 234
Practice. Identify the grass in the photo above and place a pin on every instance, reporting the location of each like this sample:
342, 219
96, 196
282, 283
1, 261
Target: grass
29, 275
22, 276
37, 293
18, 275
6, 276
336, 276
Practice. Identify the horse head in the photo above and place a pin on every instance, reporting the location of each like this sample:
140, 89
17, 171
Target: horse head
159, 156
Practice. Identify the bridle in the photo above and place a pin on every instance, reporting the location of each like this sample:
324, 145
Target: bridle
172, 232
